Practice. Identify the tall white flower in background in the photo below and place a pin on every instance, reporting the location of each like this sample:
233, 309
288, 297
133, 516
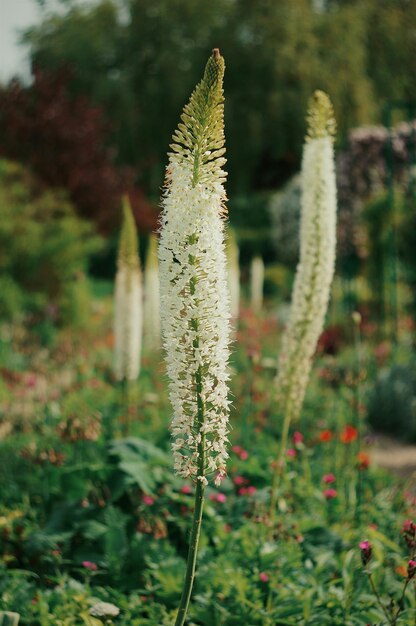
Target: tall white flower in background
128, 314
233, 255
257, 283
317, 258
151, 331
193, 282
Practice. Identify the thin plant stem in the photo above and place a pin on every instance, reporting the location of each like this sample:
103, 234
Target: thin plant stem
278, 469
400, 603
125, 403
377, 595
199, 502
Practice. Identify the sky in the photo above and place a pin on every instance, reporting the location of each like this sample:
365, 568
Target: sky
15, 16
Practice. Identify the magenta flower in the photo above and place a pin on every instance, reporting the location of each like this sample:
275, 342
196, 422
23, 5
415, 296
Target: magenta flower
366, 551
251, 490
218, 497
90, 565
186, 489
297, 437
264, 577
291, 452
330, 494
411, 568
239, 480
148, 500
328, 479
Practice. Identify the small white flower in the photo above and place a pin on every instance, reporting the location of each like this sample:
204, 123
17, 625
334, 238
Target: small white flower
104, 610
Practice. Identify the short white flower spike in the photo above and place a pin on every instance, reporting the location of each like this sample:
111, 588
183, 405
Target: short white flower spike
193, 283
315, 270
128, 305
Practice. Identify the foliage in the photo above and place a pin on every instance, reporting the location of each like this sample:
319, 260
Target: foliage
134, 60
44, 252
86, 515
63, 138
392, 402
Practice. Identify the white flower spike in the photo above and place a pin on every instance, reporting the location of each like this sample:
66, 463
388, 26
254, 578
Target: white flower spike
128, 305
193, 283
315, 270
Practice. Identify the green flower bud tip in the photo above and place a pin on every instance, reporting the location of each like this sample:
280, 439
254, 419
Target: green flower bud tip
128, 246
320, 117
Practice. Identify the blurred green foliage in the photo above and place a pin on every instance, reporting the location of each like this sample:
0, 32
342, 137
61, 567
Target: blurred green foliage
44, 250
140, 60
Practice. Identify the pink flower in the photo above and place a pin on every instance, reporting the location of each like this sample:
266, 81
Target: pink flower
240, 452
148, 500
251, 490
291, 452
239, 480
328, 479
242, 491
297, 437
186, 489
411, 568
366, 551
90, 565
264, 577
330, 494
218, 497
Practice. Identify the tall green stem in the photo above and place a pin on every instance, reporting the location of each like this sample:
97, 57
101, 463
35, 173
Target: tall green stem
199, 502
278, 469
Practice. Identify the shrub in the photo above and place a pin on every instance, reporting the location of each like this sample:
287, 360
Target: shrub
392, 404
44, 250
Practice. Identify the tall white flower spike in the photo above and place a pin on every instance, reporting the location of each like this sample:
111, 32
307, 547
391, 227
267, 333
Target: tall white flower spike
315, 270
128, 303
193, 283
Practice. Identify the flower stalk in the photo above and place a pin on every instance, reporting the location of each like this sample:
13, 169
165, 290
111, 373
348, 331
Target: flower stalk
194, 297
128, 314
151, 322
314, 272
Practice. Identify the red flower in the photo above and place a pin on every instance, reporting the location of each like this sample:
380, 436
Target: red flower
363, 460
325, 436
328, 479
330, 494
349, 434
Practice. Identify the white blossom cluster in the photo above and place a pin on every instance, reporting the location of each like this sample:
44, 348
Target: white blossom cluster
194, 297
128, 303
315, 270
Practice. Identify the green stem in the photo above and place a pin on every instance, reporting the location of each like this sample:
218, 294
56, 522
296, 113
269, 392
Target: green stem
377, 595
278, 469
199, 504
192, 554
